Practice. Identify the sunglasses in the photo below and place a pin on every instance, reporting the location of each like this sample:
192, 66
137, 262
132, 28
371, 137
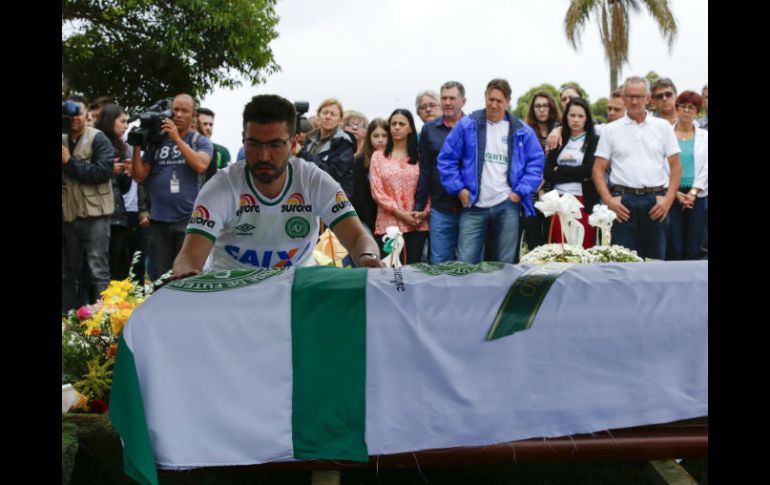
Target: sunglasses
666, 95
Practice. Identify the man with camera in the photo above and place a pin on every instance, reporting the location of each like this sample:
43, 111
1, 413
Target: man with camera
87, 202
175, 171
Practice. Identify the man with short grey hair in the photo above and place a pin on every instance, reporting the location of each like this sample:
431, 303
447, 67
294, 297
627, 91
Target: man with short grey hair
427, 105
640, 192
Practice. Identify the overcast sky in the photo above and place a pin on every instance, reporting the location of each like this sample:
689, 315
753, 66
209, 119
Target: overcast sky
374, 56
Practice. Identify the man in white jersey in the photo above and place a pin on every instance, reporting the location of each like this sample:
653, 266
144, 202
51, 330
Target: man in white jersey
264, 211
640, 191
492, 162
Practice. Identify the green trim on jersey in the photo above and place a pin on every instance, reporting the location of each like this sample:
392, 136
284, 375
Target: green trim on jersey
192, 230
250, 183
343, 216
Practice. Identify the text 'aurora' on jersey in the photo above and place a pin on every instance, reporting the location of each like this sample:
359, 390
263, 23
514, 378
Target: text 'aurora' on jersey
342, 202
201, 217
247, 203
296, 203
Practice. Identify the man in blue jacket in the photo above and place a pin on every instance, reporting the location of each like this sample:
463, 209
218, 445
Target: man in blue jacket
492, 161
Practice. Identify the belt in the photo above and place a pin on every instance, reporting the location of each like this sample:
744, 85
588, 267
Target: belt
632, 190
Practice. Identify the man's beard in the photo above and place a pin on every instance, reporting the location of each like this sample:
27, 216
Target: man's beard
266, 177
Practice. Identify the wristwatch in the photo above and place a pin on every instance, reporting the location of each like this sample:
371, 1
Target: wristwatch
694, 192
367, 253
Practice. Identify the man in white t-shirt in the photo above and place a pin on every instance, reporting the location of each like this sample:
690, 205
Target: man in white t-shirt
264, 211
637, 147
493, 162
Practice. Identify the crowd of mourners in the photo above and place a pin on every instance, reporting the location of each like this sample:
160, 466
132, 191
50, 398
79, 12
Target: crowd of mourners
462, 188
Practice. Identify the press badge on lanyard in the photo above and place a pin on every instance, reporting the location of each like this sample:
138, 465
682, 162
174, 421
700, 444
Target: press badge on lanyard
174, 183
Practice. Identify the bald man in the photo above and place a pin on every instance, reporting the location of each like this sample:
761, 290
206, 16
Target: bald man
175, 172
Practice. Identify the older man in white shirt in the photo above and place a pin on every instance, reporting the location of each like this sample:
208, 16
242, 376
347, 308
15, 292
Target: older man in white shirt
640, 191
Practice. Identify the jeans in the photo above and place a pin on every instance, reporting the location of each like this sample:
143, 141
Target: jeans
685, 230
639, 232
444, 228
166, 240
502, 221
89, 237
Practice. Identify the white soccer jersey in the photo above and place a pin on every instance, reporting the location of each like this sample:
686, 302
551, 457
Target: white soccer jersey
251, 231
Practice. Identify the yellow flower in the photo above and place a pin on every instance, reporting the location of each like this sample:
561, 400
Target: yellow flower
118, 319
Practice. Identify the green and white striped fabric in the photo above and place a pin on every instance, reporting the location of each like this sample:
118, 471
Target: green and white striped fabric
245, 367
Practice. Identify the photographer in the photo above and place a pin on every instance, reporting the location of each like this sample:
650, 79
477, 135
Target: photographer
175, 171
87, 203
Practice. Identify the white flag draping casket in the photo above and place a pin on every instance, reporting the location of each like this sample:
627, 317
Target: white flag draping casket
247, 367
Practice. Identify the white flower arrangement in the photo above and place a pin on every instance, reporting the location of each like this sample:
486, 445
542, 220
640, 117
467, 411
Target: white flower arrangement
558, 253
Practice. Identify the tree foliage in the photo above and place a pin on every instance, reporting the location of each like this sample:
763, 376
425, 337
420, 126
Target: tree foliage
613, 18
139, 51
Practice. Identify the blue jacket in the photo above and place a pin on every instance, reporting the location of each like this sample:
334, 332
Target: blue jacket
458, 161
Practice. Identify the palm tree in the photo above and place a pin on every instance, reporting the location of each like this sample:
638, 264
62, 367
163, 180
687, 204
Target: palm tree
612, 17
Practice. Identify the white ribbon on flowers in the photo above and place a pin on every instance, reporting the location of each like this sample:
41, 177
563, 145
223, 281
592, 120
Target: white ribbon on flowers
393, 260
69, 397
568, 209
602, 218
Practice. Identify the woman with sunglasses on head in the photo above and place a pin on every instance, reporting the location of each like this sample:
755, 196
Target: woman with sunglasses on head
568, 168
688, 213
113, 122
394, 173
376, 137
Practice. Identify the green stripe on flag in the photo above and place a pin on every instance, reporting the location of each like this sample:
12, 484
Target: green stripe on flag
127, 416
520, 305
328, 328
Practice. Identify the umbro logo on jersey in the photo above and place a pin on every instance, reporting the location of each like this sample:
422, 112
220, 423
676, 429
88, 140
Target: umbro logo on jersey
244, 229
201, 217
296, 203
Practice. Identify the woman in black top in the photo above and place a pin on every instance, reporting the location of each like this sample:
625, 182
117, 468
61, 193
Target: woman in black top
568, 168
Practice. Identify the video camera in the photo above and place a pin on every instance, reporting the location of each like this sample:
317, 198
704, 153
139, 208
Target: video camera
149, 132
68, 110
301, 107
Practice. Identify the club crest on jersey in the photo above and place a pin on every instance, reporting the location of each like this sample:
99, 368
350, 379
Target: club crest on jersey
297, 227
200, 216
341, 202
247, 203
296, 203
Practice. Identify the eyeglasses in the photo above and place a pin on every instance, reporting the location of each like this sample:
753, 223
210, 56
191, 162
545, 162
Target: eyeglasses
354, 126
687, 107
541, 106
270, 145
666, 95
425, 106
565, 98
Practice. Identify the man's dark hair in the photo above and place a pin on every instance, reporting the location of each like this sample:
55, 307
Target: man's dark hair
76, 98
662, 82
99, 102
269, 108
501, 85
205, 111
618, 93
